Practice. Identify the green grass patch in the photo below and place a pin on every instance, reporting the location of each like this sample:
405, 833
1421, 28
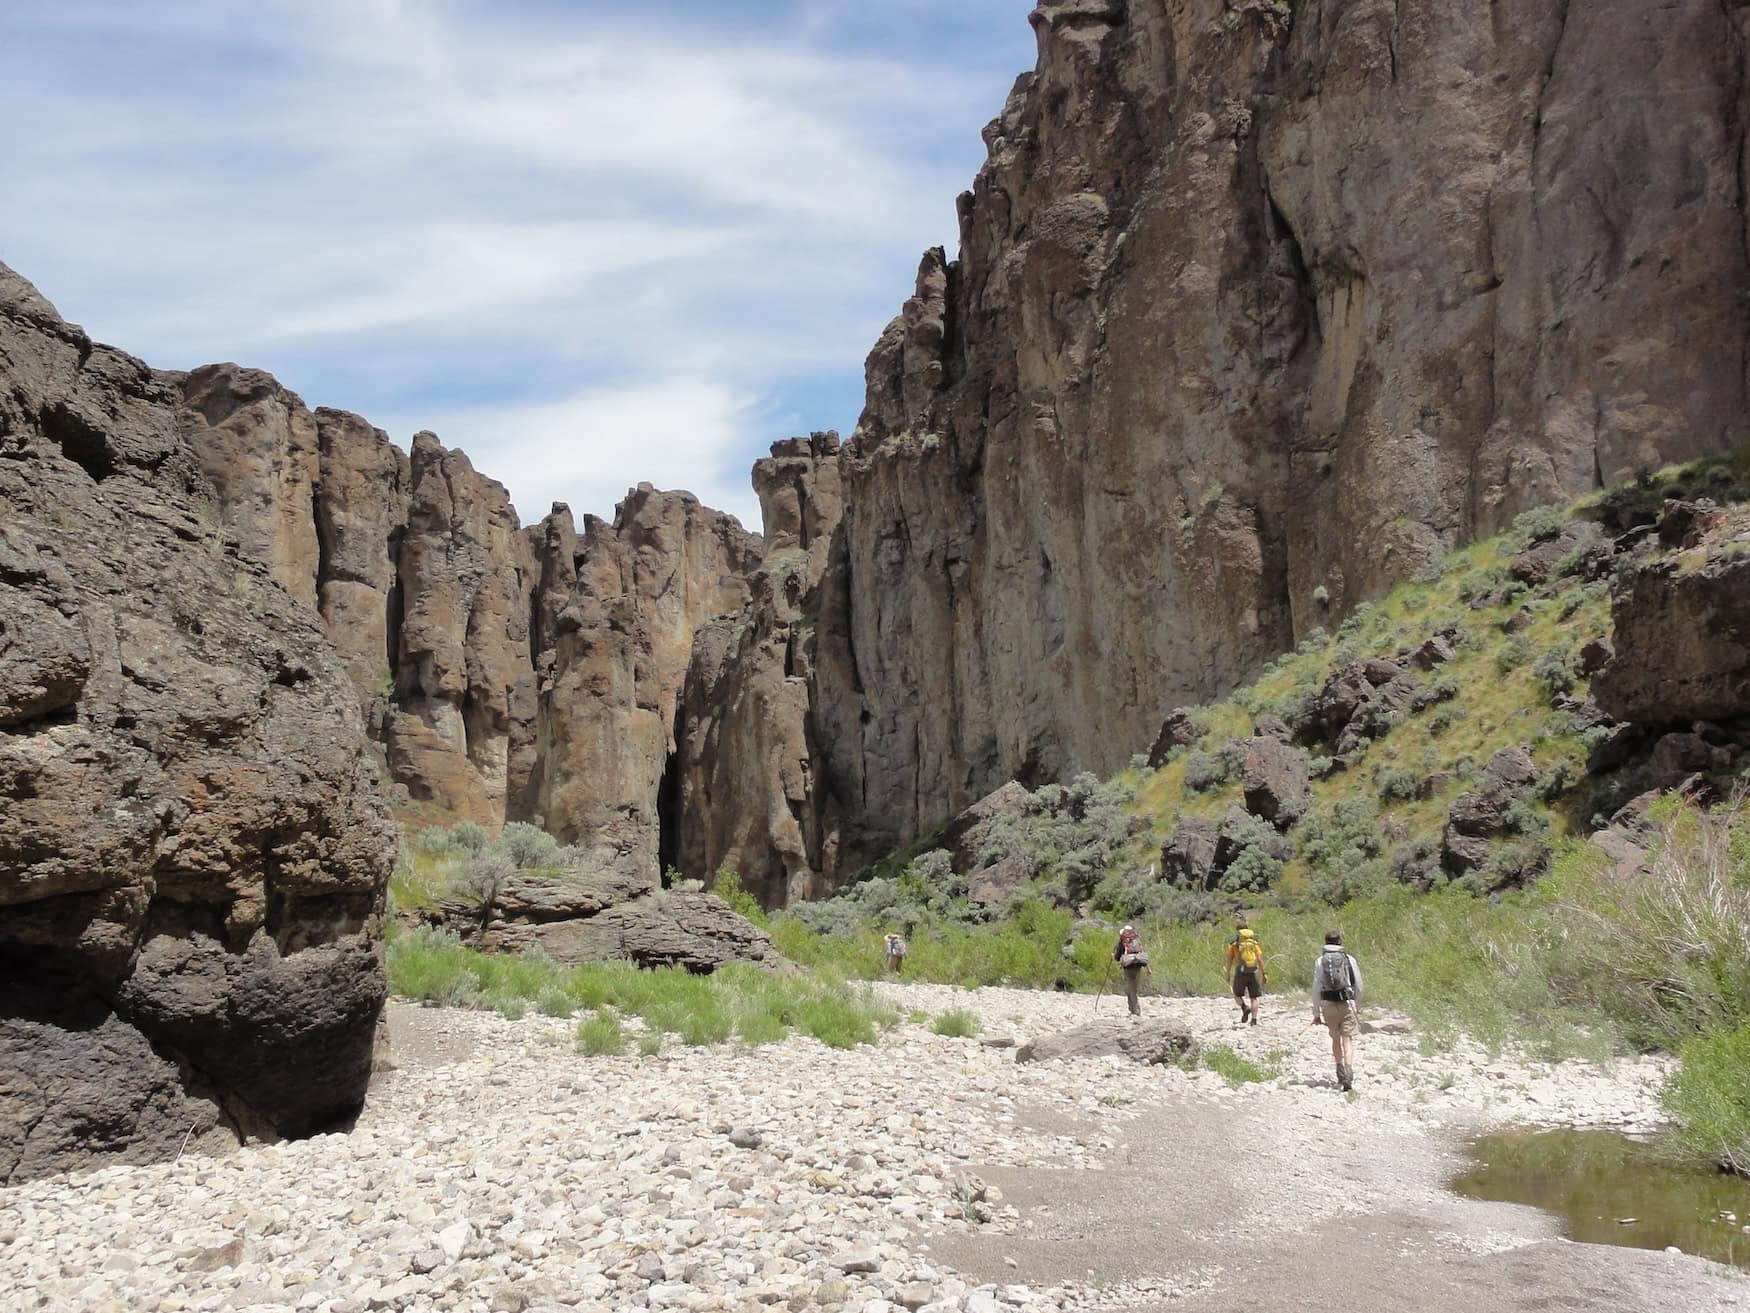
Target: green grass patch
958, 1023
740, 1001
601, 1035
1234, 1068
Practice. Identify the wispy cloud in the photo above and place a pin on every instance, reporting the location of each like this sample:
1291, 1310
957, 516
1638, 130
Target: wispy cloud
593, 245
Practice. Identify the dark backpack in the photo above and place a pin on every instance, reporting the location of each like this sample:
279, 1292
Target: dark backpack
1335, 988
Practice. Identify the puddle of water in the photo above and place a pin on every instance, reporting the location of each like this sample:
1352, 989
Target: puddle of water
1610, 1189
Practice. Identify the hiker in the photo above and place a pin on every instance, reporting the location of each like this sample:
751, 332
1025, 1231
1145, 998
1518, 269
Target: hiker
1336, 987
1245, 971
1129, 955
895, 953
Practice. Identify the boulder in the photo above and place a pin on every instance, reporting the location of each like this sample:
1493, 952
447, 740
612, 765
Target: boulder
193, 852
1684, 524
1480, 816
1188, 856
1153, 1041
1275, 781
966, 833
1437, 650
655, 928
1178, 730
998, 882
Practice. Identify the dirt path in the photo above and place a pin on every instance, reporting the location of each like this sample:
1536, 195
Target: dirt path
1287, 1195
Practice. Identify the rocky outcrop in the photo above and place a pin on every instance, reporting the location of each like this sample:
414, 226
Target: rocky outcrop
1223, 354
418, 567
608, 916
752, 791
1275, 781
606, 732
1483, 815
1680, 650
192, 851
464, 663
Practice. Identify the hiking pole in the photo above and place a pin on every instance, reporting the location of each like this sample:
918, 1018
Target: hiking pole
1104, 977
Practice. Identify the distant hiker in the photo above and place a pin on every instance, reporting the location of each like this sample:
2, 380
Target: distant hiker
1129, 955
1335, 989
895, 953
1245, 971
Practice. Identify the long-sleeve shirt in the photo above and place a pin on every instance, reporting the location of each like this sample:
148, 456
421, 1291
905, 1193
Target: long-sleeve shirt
1319, 984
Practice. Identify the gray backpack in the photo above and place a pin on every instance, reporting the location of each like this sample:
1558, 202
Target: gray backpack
1336, 978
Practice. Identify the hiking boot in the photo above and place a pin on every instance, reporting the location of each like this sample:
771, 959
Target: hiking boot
1245, 1014
1254, 1018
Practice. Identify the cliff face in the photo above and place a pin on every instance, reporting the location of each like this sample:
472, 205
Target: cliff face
192, 850
645, 585
504, 673
753, 797
1254, 313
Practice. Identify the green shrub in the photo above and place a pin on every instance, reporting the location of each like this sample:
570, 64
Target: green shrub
958, 1023
601, 1035
1205, 771
1708, 1098
469, 836
1557, 670
1395, 784
727, 886
1514, 653
1538, 523
528, 846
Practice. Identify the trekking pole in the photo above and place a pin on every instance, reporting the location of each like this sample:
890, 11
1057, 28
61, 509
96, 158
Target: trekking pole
1104, 977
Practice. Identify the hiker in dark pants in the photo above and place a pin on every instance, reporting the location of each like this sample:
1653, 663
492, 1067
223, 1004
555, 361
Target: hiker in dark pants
1129, 955
1245, 971
1336, 987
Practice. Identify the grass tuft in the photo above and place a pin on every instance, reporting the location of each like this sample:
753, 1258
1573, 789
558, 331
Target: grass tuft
958, 1023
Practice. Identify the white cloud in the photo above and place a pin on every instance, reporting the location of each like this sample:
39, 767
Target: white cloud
588, 449
576, 240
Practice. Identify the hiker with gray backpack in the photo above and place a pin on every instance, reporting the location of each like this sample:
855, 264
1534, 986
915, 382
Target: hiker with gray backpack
1336, 986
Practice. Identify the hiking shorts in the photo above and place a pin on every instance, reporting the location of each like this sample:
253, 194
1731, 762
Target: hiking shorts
1246, 984
1341, 1020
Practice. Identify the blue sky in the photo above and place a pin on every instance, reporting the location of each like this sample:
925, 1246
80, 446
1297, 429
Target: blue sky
590, 243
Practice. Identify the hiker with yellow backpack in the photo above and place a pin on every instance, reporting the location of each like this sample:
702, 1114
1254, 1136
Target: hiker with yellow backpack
1245, 970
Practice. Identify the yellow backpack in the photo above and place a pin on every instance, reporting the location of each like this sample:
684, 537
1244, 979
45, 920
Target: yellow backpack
1248, 953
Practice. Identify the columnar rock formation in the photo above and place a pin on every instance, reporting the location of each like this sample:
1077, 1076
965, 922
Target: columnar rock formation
418, 567
192, 850
1255, 311
646, 584
751, 795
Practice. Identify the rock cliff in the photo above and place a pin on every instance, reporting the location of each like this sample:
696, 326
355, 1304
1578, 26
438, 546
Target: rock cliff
606, 739
192, 851
752, 794
504, 673
1258, 308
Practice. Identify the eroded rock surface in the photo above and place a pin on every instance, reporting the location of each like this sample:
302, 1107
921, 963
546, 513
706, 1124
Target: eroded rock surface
751, 777
192, 850
646, 585
1253, 315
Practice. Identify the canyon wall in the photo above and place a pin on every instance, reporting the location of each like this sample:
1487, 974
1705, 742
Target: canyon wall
1257, 308
193, 853
503, 673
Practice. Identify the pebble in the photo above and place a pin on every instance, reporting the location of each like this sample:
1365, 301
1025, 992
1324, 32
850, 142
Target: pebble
518, 1170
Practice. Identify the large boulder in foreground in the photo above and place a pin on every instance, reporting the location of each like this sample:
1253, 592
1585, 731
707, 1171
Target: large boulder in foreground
1150, 1040
192, 851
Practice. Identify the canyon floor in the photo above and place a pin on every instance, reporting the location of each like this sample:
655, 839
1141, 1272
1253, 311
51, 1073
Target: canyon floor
499, 1170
